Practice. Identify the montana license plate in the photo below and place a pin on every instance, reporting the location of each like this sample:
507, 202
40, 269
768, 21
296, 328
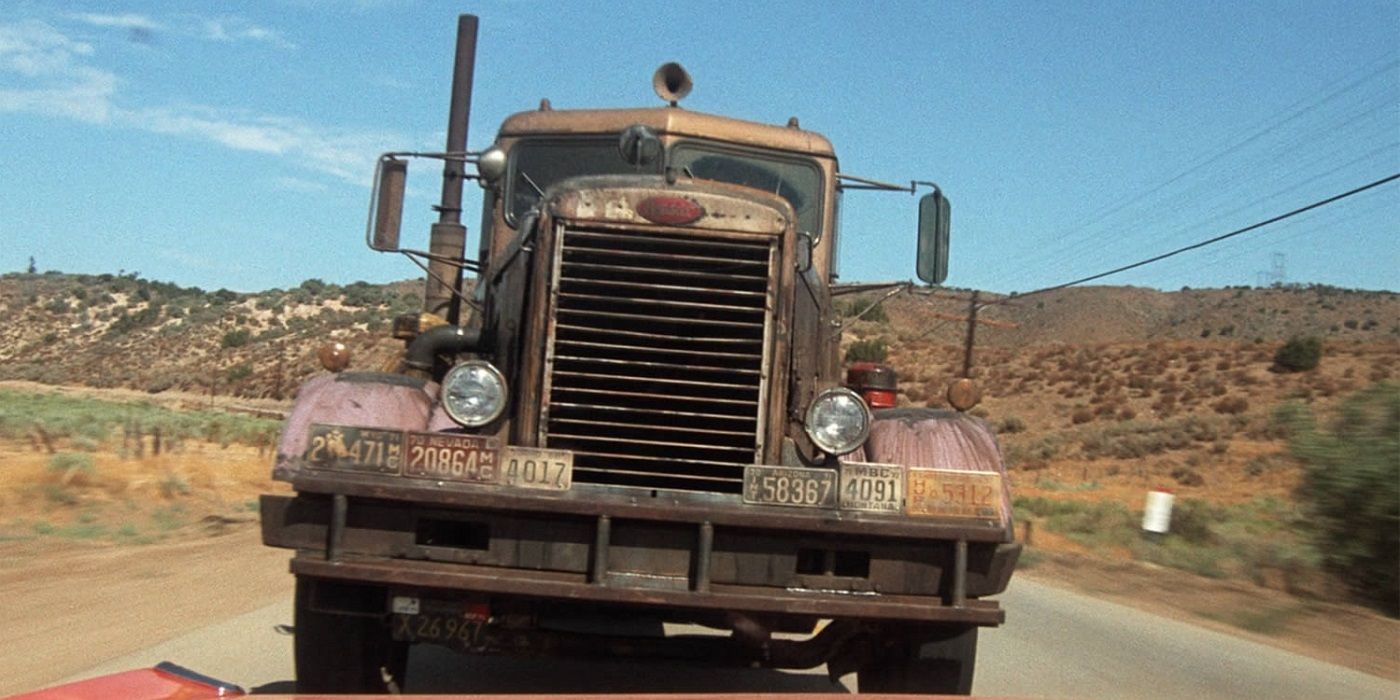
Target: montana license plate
877, 488
954, 494
790, 486
342, 448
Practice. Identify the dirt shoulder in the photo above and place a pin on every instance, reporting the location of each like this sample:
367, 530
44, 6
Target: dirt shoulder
1346, 635
71, 605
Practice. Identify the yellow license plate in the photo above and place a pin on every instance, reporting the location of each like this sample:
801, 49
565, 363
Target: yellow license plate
953, 494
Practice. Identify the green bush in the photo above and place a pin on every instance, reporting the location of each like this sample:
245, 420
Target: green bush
872, 309
1351, 488
870, 350
1299, 354
236, 338
76, 462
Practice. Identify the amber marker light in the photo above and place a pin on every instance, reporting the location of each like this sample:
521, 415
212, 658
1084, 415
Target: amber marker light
963, 394
334, 356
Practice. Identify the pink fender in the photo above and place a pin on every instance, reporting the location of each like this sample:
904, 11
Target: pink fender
360, 399
935, 439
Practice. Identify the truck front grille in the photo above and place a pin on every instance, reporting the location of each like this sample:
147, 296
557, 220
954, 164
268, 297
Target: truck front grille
656, 370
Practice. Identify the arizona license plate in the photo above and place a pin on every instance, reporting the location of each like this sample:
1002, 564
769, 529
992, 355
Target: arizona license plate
954, 494
877, 488
450, 457
790, 486
343, 448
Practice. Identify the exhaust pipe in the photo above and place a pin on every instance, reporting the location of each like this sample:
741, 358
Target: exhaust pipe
448, 237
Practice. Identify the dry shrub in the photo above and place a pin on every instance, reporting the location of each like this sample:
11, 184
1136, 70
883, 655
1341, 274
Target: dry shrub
1126, 413
1186, 476
1081, 415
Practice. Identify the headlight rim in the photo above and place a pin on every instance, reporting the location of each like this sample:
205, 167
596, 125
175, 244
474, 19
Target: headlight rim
476, 422
809, 419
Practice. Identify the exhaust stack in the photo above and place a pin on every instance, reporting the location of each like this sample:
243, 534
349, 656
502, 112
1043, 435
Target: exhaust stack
448, 237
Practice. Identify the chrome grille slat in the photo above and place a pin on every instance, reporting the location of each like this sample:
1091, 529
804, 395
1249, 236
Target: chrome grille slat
689, 305
584, 330
675, 320
624, 347
660, 365
644, 412
663, 272
654, 380
656, 364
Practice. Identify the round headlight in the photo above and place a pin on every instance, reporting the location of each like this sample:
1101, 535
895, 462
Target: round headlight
838, 421
474, 393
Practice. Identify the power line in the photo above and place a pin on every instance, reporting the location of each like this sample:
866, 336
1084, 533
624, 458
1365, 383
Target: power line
1073, 240
1217, 239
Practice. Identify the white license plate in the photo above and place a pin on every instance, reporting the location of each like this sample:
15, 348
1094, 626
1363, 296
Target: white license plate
525, 467
877, 488
790, 486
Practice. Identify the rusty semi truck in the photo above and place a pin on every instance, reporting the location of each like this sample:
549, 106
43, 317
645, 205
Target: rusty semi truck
633, 417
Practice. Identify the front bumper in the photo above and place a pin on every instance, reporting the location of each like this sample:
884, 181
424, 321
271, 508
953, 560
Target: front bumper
636, 548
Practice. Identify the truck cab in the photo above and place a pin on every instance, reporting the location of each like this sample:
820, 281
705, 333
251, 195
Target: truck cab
635, 414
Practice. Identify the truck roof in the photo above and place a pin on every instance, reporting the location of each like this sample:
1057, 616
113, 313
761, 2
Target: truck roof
666, 121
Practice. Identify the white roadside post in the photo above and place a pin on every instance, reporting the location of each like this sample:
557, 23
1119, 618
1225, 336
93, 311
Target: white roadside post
1157, 515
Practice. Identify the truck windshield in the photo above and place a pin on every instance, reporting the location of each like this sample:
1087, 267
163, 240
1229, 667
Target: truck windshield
537, 164
796, 180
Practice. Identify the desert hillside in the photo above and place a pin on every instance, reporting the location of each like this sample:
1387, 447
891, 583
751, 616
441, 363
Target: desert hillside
122, 331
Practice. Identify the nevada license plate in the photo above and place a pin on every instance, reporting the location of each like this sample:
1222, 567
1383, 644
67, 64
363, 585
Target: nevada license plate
954, 494
877, 488
790, 486
343, 448
450, 457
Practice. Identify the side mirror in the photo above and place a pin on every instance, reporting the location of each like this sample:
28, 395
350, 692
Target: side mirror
386, 204
933, 237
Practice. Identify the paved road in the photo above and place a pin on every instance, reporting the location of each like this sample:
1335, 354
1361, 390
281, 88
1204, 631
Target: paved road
1057, 644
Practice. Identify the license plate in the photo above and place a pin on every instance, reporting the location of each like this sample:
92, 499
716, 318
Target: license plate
877, 488
453, 625
450, 457
954, 494
551, 470
342, 448
790, 486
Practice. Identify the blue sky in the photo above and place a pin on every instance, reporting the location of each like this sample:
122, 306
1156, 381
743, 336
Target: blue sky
231, 144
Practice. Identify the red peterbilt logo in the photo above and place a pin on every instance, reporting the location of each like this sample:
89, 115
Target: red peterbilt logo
670, 210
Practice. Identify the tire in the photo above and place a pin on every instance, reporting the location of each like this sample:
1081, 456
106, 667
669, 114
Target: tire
344, 653
938, 663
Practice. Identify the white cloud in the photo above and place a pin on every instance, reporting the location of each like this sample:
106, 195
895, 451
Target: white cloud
345, 154
124, 21
230, 29
44, 72
296, 184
